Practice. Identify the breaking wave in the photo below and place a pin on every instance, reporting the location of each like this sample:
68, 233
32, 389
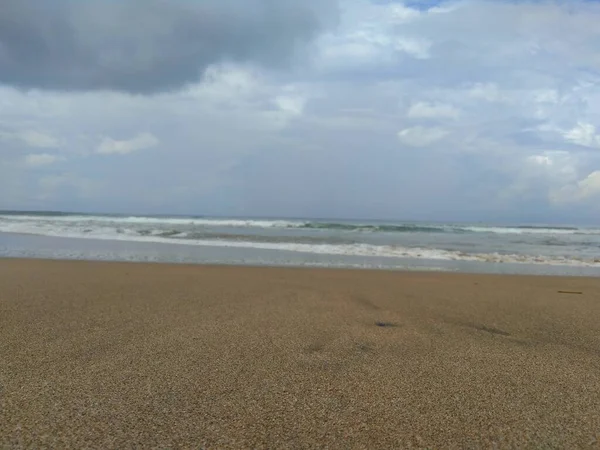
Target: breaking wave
210, 232
7, 218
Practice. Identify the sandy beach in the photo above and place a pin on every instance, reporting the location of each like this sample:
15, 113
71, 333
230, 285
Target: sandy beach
117, 355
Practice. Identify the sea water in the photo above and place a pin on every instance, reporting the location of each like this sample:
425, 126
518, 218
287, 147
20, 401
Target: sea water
519, 248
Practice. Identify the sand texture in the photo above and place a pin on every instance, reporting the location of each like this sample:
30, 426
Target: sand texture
111, 355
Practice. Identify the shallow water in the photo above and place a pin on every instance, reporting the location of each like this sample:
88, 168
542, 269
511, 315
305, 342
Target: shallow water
399, 245
32, 246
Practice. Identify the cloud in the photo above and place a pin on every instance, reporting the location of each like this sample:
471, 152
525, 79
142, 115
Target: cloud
425, 110
421, 136
31, 138
291, 104
557, 177
142, 141
41, 159
587, 189
489, 92
583, 134
590, 186
551, 170
146, 46
248, 95
418, 48
226, 85
541, 160
37, 139
504, 113
558, 162
401, 13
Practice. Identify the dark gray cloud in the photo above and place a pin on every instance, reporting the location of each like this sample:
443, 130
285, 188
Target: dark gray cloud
146, 46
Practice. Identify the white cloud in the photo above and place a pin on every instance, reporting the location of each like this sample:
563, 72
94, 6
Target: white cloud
425, 110
142, 141
560, 166
421, 136
546, 96
37, 139
31, 138
587, 189
224, 83
415, 47
583, 134
403, 14
541, 160
288, 106
244, 97
354, 49
541, 175
367, 36
487, 91
590, 186
291, 104
558, 172
40, 159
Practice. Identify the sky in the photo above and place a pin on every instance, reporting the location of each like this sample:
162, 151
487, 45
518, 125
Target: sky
480, 110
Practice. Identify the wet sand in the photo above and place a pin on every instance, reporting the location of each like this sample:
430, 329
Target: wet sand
117, 355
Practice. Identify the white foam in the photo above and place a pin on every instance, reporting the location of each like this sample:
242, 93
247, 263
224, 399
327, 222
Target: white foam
515, 230
117, 220
367, 250
123, 221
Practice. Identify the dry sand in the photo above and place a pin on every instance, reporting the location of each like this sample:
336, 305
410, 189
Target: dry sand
110, 355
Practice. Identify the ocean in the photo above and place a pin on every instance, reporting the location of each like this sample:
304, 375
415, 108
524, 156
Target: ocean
486, 248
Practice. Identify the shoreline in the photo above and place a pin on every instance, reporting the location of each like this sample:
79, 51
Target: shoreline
110, 355
310, 266
418, 270
113, 249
